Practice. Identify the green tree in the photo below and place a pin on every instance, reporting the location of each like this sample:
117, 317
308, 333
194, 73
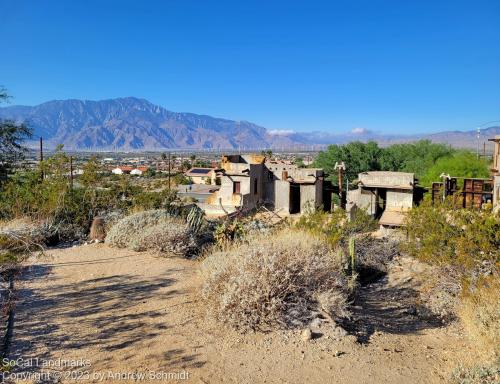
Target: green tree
415, 157
12, 136
462, 164
91, 173
357, 156
185, 165
299, 162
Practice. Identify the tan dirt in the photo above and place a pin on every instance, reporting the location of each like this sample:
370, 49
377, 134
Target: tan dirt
134, 313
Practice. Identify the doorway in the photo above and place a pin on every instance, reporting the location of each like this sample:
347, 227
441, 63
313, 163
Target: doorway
381, 202
294, 198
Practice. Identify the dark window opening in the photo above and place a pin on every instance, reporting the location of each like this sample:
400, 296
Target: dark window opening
255, 185
294, 198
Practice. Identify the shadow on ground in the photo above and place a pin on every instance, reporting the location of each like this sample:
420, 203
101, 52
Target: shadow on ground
387, 308
105, 309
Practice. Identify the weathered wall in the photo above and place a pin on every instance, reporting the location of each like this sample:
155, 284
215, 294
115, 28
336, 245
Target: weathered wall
496, 193
307, 197
282, 197
362, 199
399, 198
387, 179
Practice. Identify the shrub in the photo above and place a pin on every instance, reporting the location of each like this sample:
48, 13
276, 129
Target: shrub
154, 230
465, 242
335, 226
154, 200
480, 374
480, 314
19, 239
444, 234
440, 292
276, 280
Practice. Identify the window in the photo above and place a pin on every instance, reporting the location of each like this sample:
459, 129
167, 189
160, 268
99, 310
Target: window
255, 185
284, 175
236, 187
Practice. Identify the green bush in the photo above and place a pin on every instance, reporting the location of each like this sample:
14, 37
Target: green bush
335, 226
446, 234
463, 164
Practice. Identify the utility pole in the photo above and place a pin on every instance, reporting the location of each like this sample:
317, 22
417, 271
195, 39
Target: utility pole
71, 172
169, 171
41, 155
478, 137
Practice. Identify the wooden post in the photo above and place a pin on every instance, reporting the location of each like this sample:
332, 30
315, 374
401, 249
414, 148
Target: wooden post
341, 192
340, 167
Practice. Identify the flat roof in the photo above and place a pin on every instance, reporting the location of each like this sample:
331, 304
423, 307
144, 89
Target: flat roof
387, 179
393, 218
200, 171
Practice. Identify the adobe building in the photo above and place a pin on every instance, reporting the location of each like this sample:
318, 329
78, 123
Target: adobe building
384, 195
200, 175
248, 181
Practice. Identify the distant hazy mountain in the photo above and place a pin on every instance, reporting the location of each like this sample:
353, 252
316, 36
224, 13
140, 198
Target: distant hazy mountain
136, 124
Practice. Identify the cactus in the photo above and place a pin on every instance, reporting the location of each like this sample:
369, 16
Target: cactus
195, 218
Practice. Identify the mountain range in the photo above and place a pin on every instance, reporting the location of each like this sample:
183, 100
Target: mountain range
132, 124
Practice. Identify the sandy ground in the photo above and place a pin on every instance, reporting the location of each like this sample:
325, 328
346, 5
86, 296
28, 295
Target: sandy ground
121, 316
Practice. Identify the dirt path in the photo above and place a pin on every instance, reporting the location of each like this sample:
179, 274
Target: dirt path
123, 313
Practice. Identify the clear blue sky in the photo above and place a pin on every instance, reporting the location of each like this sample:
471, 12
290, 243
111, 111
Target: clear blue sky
390, 66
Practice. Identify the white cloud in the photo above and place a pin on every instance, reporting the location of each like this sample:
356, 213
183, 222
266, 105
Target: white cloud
360, 131
281, 132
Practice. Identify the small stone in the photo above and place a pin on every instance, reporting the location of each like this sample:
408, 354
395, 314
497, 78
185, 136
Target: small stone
316, 323
306, 334
337, 353
339, 332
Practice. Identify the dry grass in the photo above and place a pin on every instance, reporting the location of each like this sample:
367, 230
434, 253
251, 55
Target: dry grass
480, 314
277, 280
440, 292
153, 230
21, 238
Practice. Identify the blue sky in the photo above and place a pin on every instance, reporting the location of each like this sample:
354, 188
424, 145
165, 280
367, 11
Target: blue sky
387, 66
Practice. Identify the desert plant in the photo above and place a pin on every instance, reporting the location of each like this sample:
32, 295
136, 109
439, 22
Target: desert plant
335, 226
439, 292
477, 374
154, 230
479, 312
98, 229
17, 242
444, 234
195, 218
274, 280
227, 231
